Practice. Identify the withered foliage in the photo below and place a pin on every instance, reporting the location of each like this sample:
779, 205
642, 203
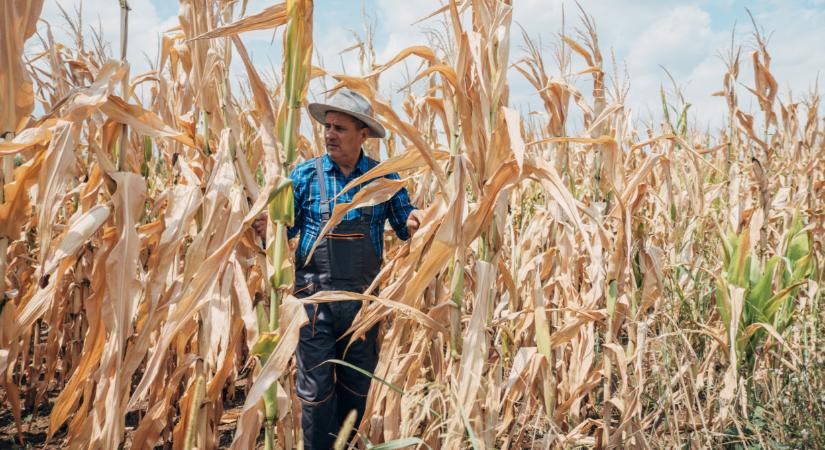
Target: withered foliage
614, 285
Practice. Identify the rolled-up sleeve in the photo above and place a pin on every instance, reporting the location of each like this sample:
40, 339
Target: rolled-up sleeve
399, 210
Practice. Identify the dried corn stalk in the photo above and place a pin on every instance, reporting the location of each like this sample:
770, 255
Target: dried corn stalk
608, 286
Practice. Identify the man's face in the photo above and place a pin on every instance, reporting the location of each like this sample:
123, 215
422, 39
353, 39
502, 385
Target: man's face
342, 136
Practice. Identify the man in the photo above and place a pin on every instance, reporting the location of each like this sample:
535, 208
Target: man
348, 259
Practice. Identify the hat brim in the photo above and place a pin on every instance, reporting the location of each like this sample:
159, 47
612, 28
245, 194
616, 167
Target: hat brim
318, 111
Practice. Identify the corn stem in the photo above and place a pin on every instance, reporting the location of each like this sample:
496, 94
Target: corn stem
124, 42
194, 410
7, 176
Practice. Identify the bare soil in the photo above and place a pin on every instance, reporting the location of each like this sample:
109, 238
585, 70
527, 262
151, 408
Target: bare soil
36, 426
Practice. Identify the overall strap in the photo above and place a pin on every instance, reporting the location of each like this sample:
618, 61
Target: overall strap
367, 212
322, 187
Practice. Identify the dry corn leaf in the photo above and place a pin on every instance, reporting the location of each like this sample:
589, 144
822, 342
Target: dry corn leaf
423, 52
408, 160
79, 229
294, 315
28, 138
580, 226
337, 296
90, 356
263, 105
155, 420
379, 191
18, 19
59, 170
513, 120
190, 297
270, 17
446, 71
84, 102
392, 120
142, 121
16, 208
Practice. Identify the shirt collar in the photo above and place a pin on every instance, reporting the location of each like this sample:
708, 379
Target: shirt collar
361, 167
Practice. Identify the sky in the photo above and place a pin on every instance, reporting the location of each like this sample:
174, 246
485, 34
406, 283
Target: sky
644, 37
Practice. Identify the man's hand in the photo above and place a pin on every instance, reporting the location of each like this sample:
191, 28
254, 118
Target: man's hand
260, 226
414, 221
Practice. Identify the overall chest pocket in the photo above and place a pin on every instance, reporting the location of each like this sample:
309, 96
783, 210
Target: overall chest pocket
348, 248
353, 256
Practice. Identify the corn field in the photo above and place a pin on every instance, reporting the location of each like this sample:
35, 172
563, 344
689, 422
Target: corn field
610, 285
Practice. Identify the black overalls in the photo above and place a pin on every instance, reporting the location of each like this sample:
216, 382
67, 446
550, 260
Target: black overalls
344, 260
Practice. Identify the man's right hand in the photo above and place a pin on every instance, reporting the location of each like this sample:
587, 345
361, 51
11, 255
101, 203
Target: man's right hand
414, 221
260, 226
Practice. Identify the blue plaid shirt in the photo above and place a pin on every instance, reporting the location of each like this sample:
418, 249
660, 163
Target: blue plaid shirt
307, 202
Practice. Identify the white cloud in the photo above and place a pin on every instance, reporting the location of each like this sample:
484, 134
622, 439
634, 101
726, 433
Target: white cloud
398, 19
145, 26
795, 44
684, 36
678, 41
682, 42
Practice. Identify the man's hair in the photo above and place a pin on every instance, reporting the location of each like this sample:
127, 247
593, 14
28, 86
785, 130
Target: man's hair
359, 124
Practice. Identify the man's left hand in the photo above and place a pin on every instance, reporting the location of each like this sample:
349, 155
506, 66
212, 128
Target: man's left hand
414, 221
259, 225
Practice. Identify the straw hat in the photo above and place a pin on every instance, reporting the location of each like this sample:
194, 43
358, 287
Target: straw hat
351, 103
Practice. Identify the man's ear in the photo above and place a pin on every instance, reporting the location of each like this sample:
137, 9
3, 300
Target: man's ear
365, 134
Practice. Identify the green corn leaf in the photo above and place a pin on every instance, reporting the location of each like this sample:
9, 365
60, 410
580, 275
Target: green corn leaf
260, 314
723, 300
740, 263
665, 107
796, 225
147, 156
282, 203
803, 268
682, 124
367, 373
729, 243
779, 299
266, 344
754, 273
612, 295
761, 291
147, 148
457, 283
281, 279
297, 68
282, 276
798, 248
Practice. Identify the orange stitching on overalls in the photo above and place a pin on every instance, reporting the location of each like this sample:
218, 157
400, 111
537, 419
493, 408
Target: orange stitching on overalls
311, 284
314, 316
319, 401
355, 393
345, 235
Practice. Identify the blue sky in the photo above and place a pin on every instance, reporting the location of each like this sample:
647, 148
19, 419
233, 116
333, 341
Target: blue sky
686, 37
